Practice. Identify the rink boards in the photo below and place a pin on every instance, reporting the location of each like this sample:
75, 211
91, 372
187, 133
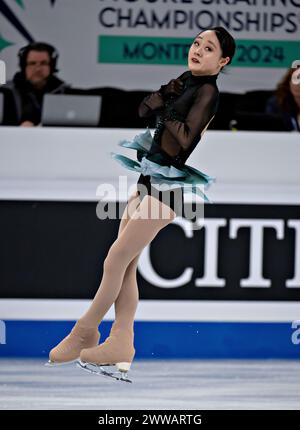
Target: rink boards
163, 329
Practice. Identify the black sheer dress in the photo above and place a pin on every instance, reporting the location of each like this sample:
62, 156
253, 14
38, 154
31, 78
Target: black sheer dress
181, 122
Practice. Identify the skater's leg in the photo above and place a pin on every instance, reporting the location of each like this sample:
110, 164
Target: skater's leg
83, 335
140, 230
148, 219
125, 304
127, 301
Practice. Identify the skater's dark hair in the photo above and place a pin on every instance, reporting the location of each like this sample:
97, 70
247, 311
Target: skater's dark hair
226, 41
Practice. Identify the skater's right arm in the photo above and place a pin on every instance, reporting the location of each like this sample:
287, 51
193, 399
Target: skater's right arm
151, 104
155, 101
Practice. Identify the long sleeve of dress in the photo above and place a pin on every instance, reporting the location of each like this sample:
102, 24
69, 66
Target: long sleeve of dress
154, 102
151, 104
188, 133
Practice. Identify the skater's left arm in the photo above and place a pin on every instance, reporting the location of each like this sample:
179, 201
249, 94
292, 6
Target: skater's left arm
188, 133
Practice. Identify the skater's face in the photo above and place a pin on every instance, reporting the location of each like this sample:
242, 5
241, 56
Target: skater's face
205, 54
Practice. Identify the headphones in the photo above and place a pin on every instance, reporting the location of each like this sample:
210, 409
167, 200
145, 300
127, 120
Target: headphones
39, 46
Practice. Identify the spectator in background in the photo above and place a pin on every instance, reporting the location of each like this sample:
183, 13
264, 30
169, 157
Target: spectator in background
286, 100
37, 63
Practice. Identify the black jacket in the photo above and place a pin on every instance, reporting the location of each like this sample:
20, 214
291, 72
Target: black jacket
290, 119
28, 101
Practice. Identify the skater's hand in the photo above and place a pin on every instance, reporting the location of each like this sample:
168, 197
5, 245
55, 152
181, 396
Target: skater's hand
154, 101
174, 87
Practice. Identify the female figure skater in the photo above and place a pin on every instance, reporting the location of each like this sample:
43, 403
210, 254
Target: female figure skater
186, 106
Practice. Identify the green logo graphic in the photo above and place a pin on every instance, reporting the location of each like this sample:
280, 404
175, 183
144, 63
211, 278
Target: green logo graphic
11, 17
173, 50
4, 43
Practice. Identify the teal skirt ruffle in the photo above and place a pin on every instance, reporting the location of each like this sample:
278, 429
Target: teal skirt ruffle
189, 178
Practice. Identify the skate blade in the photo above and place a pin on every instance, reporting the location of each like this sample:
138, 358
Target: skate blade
98, 370
54, 363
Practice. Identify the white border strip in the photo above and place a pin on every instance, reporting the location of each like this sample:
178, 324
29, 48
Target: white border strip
156, 310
